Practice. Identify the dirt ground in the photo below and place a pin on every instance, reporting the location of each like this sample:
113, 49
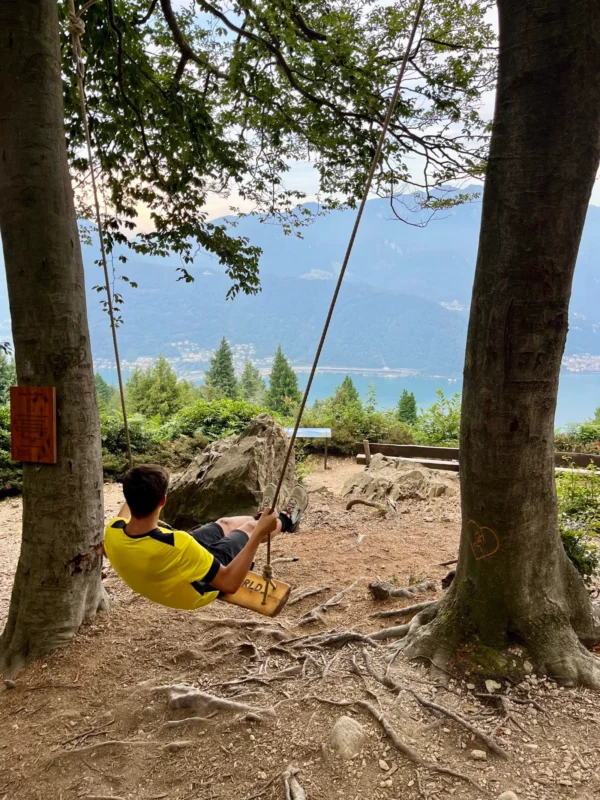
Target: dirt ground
94, 721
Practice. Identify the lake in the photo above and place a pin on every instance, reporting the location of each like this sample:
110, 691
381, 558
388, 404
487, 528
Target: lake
578, 394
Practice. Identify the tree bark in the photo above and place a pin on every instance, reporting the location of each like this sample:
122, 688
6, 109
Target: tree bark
58, 581
514, 582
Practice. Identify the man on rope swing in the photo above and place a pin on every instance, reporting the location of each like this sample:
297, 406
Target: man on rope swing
187, 570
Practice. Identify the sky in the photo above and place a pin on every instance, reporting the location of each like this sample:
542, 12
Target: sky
302, 176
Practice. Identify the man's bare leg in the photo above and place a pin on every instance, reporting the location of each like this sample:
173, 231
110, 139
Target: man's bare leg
245, 524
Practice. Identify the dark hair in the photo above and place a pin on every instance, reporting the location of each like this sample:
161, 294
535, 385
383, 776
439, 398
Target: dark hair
144, 487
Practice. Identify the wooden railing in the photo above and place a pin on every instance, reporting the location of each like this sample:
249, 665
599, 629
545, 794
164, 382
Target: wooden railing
449, 457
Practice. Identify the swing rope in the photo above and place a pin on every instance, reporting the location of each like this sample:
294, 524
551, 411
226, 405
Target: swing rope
77, 29
268, 570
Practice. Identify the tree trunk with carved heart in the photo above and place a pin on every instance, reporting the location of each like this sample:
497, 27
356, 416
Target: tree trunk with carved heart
514, 582
58, 581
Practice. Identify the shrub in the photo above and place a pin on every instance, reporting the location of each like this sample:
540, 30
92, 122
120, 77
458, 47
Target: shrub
11, 473
439, 426
213, 419
112, 431
578, 498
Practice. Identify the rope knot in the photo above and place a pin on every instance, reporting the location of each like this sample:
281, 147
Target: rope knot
268, 573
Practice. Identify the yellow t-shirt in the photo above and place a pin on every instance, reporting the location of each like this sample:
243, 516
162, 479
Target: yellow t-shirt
163, 565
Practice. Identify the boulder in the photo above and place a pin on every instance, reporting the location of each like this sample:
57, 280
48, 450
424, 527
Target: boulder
229, 476
400, 480
347, 737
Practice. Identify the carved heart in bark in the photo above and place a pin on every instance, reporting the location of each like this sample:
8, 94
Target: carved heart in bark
484, 541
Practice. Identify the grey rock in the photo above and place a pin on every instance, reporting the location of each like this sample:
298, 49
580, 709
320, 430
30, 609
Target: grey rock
347, 737
508, 796
400, 480
478, 755
229, 476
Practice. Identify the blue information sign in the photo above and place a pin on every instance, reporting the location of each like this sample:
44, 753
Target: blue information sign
311, 433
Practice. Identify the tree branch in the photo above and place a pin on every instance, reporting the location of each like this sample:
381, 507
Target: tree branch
187, 53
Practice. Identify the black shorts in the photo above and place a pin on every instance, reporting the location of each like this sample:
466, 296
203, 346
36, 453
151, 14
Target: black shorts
223, 548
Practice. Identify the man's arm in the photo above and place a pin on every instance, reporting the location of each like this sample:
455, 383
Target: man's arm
229, 579
124, 512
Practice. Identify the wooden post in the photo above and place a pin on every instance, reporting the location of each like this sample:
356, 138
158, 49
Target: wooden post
325, 458
367, 447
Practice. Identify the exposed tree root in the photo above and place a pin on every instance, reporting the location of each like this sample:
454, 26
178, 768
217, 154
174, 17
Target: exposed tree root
321, 641
184, 696
398, 743
396, 632
403, 612
303, 594
314, 615
171, 747
369, 503
293, 789
385, 680
290, 672
178, 723
382, 590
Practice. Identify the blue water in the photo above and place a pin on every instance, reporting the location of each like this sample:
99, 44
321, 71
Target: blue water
578, 394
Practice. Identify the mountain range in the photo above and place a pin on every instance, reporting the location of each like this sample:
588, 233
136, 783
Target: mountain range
403, 305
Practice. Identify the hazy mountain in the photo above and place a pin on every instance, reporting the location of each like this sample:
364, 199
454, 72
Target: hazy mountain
404, 303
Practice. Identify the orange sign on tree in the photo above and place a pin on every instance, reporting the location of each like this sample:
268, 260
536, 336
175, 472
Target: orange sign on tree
33, 424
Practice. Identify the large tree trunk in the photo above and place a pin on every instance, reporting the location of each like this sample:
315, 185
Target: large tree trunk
514, 581
58, 580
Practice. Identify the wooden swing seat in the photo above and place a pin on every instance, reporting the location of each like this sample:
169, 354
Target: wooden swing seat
251, 592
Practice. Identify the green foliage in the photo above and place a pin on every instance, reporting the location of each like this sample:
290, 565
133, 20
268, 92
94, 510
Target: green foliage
212, 419
8, 377
104, 392
156, 390
11, 473
283, 392
252, 387
578, 499
220, 379
351, 422
439, 426
407, 408
347, 394
188, 99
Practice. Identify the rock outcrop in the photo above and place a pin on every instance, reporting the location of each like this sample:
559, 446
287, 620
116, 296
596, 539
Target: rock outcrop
230, 475
400, 480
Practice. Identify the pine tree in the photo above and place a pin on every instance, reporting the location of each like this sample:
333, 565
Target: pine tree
104, 392
154, 390
407, 408
347, 393
283, 391
252, 386
220, 377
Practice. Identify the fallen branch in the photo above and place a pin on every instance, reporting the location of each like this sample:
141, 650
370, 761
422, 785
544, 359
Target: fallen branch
400, 745
287, 560
448, 563
382, 590
314, 615
403, 612
303, 594
183, 696
385, 680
